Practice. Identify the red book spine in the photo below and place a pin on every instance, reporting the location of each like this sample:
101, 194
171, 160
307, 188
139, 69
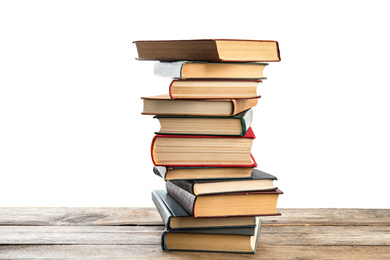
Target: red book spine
170, 89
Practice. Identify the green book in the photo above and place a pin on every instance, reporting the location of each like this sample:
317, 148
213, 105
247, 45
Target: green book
228, 243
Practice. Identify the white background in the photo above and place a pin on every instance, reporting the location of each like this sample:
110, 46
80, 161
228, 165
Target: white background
71, 130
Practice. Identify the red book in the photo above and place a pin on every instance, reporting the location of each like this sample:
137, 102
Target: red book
201, 151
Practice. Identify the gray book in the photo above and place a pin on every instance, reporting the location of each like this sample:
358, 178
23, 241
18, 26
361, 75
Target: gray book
177, 219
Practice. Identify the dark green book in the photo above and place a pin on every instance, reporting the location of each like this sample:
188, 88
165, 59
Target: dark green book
205, 125
223, 243
203, 173
177, 219
259, 181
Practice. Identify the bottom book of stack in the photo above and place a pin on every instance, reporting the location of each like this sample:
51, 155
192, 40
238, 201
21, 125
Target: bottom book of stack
184, 232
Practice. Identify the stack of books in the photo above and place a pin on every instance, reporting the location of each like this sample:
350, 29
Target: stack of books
215, 195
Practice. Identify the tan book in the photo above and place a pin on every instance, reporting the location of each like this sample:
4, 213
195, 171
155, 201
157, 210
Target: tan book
209, 50
250, 203
210, 70
164, 105
199, 151
213, 88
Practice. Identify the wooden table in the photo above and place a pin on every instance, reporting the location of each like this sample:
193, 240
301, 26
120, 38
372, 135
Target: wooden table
134, 233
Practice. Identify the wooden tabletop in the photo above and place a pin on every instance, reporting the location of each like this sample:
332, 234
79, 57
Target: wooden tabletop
134, 233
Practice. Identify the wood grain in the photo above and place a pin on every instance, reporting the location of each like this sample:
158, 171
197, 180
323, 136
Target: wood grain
270, 235
268, 252
135, 233
119, 216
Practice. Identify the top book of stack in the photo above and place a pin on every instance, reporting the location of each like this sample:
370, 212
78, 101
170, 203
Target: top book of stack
213, 50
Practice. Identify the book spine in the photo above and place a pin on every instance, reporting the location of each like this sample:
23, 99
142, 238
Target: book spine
185, 185
170, 89
163, 211
152, 150
163, 246
160, 171
169, 69
184, 198
247, 120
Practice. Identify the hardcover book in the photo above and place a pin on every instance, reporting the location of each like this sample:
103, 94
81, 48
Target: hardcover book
164, 105
254, 203
213, 88
218, 151
245, 244
209, 50
205, 125
202, 173
260, 181
176, 219
210, 70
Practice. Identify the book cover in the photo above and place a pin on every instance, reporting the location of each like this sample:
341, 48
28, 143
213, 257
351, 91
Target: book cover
209, 50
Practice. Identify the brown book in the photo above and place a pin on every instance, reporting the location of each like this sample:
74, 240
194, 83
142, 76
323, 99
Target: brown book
213, 88
209, 50
164, 105
254, 203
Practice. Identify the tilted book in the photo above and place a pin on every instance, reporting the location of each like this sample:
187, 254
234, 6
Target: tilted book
177, 219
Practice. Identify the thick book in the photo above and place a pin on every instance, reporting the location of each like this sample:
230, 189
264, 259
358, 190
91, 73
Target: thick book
213, 88
164, 105
177, 219
245, 244
210, 70
260, 181
202, 173
254, 203
192, 150
209, 50
205, 125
